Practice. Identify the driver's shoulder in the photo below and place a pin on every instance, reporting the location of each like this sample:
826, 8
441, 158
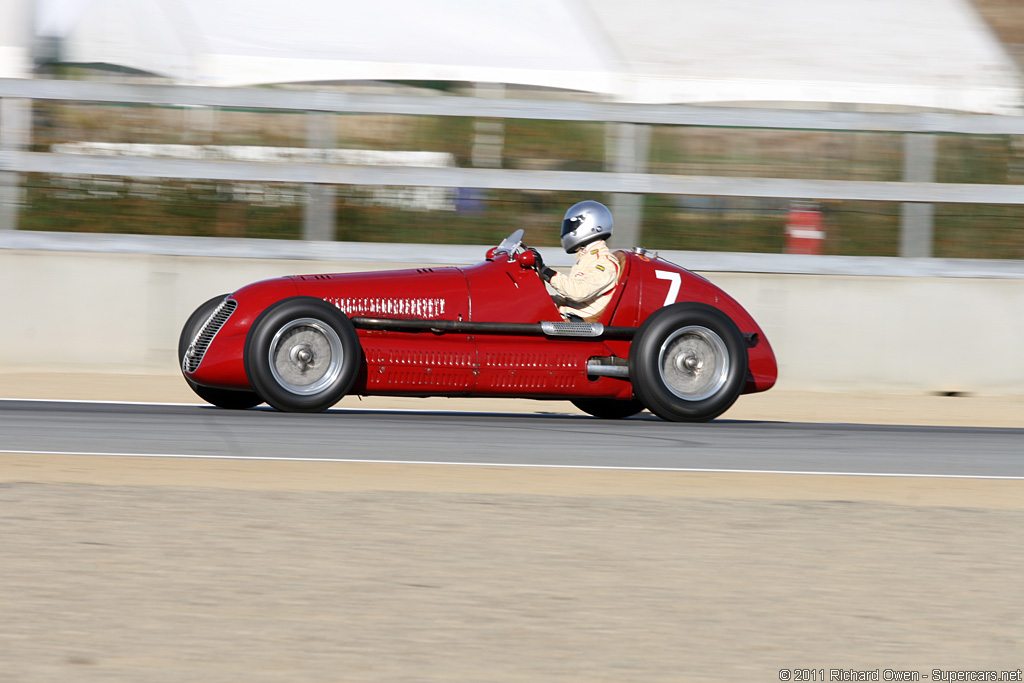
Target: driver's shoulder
606, 256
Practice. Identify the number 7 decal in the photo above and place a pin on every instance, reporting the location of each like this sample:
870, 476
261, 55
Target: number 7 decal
673, 288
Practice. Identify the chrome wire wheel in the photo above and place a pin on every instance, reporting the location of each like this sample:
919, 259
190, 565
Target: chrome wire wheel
694, 363
306, 356
302, 355
688, 362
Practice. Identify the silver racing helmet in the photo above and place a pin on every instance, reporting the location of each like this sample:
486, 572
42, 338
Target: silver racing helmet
585, 222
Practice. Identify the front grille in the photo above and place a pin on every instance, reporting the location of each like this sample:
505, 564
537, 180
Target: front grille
197, 349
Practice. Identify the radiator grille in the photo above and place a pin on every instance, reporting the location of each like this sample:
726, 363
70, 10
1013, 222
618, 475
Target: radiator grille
197, 349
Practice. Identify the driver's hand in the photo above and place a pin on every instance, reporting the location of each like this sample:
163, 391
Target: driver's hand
538, 260
545, 273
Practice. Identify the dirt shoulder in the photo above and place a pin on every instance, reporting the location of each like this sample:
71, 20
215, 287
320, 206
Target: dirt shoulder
168, 582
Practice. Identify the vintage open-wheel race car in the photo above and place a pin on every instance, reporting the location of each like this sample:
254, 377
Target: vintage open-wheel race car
669, 340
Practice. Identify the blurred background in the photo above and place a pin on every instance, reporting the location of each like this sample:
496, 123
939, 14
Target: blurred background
861, 56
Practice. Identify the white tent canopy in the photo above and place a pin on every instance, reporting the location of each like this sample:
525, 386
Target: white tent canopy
937, 54
15, 38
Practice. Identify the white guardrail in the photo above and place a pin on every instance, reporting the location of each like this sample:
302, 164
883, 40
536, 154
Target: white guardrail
116, 303
451, 254
13, 159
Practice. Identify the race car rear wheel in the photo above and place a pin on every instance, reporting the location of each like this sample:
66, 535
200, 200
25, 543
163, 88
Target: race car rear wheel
302, 355
222, 398
608, 408
688, 363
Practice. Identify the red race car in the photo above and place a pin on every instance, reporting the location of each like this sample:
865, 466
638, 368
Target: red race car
669, 340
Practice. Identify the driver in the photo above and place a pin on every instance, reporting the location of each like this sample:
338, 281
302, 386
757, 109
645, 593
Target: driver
587, 289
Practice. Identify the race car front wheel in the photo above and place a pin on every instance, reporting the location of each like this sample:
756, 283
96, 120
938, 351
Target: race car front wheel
302, 355
688, 363
222, 398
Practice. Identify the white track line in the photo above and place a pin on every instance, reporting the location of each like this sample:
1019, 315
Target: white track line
513, 464
265, 408
97, 402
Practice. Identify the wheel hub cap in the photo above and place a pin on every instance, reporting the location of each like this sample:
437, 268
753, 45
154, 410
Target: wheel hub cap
694, 363
301, 355
687, 363
305, 356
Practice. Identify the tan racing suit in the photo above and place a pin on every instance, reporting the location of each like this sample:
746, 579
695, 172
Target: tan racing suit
588, 287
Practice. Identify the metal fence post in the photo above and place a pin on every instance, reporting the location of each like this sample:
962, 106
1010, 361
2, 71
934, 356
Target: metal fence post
917, 219
319, 211
488, 134
15, 135
627, 148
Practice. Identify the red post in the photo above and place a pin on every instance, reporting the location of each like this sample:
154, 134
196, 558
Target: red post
805, 231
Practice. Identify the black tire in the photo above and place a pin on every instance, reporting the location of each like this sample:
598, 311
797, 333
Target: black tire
222, 398
302, 355
608, 408
688, 363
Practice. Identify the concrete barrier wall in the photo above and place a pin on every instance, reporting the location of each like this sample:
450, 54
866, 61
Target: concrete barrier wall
64, 311
890, 334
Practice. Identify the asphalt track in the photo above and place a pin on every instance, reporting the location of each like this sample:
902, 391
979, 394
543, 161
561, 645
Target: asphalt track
543, 440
